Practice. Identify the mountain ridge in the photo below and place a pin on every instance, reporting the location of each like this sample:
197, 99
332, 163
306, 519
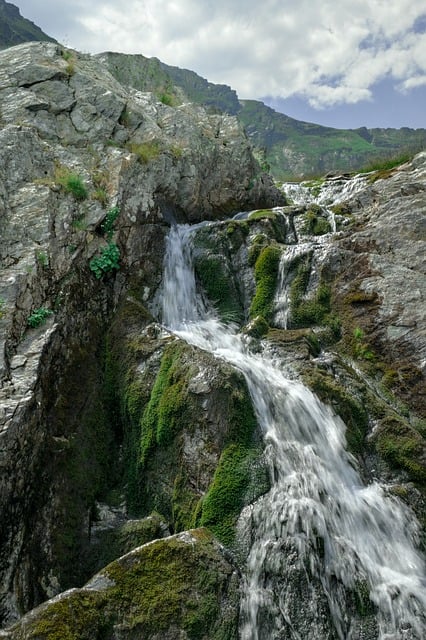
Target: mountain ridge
15, 29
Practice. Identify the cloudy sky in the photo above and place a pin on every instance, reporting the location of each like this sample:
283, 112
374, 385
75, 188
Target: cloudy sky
344, 63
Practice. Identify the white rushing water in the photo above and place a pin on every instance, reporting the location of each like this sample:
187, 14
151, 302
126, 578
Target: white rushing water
317, 520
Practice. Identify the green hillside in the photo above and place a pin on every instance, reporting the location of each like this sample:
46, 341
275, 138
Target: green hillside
14, 29
291, 148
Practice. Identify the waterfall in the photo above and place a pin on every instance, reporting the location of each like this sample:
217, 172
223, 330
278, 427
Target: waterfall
318, 524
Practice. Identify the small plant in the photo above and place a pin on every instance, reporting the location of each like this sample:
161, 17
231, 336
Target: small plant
38, 317
145, 151
70, 58
108, 224
71, 183
360, 347
107, 261
124, 118
101, 196
167, 99
42, 258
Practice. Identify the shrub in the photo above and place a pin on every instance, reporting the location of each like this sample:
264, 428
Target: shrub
107, 261
38, 317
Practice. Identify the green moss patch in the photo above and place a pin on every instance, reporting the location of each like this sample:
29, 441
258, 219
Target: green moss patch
266, 275
344, 404
315, 222
218, 284
402, 446
168, 409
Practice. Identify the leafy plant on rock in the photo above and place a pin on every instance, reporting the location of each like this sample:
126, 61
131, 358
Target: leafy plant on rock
107, 261
38, 317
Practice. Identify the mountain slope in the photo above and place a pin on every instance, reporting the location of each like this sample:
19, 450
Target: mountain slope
291, 148
14, 29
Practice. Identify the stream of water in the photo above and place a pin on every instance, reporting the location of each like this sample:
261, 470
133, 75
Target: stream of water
319, 535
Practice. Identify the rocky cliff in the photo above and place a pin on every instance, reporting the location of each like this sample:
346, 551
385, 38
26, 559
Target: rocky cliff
127, 453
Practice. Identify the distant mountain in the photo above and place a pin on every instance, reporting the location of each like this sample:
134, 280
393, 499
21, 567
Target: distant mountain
291, 148
14, 29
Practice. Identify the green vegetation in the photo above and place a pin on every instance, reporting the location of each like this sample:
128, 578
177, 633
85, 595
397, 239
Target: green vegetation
2, 305
145, 151
344, 404
167, 98
387, 163
42, 259
107, 261
108, 224
39, 317
361, 349
266, 274
225, 498
237, 475
403, 446
217, 282
71, 183
169, 584
313, 311
315, 223
167, 411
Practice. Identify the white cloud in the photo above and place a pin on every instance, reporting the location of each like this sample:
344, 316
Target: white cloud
325, 51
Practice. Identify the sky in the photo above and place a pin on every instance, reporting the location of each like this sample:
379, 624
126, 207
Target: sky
341, 63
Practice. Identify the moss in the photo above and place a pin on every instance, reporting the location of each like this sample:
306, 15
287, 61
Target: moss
262, 213
145, 151
77, 617
402, 446
315, 223
225, 498
168, 407
169, 586
217, 282
312, 311
257, 328
258, 243
184, 504
266, 275
344, 404
173, 584
239, 476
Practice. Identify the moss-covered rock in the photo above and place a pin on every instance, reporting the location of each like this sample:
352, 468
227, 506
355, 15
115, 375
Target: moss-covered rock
266, 276
180, 588
402, 445
346, 405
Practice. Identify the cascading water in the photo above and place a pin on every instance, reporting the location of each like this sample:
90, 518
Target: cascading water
318, 524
